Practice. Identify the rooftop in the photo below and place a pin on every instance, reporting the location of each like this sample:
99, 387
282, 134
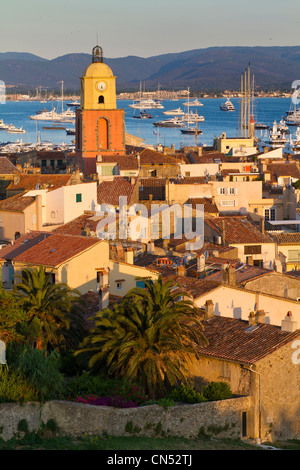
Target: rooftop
7, 167
109, 192
16, 203
238, 230
231, 340
55, 249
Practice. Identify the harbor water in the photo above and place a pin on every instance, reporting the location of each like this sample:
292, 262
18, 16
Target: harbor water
216, 121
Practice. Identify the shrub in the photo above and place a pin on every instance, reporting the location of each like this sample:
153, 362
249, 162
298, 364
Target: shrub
186, 394
88, 385
217, 391
14, 387
42, 372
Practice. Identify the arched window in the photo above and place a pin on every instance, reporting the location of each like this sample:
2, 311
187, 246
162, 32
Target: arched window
17, 235
101, 99
103, 139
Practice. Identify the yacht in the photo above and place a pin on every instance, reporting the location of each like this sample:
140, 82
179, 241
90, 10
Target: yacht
227, 106
195, 102
295, 142
172, 122
64, 116
15, 130
276, 138
143, 115
147, 104
192, 117
174, 112
191, 130
3, 126
75, 104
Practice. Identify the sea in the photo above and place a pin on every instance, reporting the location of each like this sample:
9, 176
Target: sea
216, 121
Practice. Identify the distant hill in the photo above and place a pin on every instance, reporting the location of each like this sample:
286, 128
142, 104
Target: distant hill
213, 68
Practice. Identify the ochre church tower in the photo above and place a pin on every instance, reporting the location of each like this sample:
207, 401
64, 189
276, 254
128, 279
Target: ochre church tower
100, 126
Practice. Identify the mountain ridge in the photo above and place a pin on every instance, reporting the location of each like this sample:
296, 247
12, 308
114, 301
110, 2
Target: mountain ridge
217, 67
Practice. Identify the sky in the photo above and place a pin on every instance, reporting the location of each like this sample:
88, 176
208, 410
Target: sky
144, 28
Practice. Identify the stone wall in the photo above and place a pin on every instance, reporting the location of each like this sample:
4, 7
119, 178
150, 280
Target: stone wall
217, 419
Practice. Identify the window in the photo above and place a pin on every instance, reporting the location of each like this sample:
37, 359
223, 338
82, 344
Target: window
231, 190
101, 99
270, 214
252, 250
228, 203
222, 191
119, 286
79, 197
140, 284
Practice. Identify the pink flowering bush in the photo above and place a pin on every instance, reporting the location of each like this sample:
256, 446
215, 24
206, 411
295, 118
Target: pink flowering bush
117, 402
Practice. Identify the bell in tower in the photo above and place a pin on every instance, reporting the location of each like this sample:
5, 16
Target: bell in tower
97, 54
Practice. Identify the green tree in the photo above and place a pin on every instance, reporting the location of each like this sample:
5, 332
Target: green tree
147, 338
11, 317
48, 307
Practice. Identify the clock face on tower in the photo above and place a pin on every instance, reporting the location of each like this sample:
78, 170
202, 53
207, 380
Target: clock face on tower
101, 86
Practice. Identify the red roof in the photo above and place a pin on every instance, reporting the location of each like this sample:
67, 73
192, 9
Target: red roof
231, 339
109, 192
56, 249
16, 203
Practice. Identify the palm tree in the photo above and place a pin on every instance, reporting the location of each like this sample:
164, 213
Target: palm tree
147, 338
48, 306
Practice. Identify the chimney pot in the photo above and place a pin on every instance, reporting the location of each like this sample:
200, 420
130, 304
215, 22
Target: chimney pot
288, 324
209, 309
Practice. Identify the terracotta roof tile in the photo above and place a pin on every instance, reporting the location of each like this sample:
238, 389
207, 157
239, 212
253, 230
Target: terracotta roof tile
125, 162
22, 244
16, 203
109, 192
151, 157
29, 182
229, 339
78, 225
196, 287
283, 169
56, 249
7, 167
209, 205
287, 238
238, 230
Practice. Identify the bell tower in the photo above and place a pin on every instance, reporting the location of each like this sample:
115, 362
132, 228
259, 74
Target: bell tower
99, 124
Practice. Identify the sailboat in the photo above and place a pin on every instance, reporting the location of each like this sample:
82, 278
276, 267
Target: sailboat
191, 130
54, 116
190, 116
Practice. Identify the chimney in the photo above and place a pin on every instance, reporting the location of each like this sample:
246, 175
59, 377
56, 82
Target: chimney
260, 316
165, 244
181, 271
231, 276
200, 263
252, 319
128, 255
228, 275
209, 309
39, 214
223, 232
262, 225
150, 247
288, 324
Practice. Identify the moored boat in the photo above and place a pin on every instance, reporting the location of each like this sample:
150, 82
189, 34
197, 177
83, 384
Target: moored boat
227, 106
